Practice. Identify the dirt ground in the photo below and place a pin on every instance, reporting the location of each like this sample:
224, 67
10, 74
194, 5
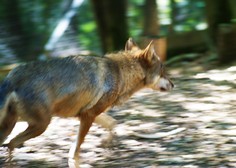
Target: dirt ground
203, 102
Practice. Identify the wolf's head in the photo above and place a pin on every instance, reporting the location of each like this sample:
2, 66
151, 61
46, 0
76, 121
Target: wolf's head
155, 73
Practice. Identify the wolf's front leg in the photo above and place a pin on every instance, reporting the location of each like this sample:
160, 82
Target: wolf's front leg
85, 124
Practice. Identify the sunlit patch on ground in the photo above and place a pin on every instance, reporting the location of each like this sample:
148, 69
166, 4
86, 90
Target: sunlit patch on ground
228, 74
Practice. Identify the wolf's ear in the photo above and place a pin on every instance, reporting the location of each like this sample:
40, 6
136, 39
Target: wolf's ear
149, 52
131, 45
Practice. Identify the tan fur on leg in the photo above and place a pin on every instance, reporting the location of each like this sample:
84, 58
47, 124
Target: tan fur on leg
108, 123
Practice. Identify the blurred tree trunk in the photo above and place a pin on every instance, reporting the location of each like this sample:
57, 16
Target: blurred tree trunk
227, 42
112, 26
151, 22
232, 4
151, 29
173, 15
221, 29
217, 12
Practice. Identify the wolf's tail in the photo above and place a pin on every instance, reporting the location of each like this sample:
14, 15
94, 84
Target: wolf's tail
8, 115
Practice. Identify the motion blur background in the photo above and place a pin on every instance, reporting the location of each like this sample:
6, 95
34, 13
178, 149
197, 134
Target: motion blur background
31, 30
195, 38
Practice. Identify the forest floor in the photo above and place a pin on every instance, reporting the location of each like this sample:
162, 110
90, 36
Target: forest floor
203, 102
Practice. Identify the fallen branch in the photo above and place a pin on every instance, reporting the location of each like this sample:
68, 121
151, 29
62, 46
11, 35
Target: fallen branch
160, 134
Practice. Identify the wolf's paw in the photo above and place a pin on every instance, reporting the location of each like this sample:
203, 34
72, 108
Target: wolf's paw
73, 162
74, 152
108, 141
4, 145
8, 152
11, 147
8, 146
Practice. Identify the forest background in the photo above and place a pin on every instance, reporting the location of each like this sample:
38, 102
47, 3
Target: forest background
39, 29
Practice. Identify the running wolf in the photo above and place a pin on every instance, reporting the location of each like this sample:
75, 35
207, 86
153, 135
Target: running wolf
76, 86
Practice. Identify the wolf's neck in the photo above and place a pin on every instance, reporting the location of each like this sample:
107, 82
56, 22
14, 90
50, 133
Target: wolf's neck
131, 79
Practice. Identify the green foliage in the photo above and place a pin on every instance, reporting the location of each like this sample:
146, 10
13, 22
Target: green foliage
2, 8
189, 14
36, 19
87, 28
31, 23
40, 16
135, 17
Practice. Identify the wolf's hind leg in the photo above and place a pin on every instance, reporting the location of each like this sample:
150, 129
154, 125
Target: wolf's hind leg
7, 125
8, 122
38, 122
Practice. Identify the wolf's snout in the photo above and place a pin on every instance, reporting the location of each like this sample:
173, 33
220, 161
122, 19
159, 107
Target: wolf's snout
165, 85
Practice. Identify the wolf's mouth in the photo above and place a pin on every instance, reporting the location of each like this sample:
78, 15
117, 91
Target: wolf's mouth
162, 89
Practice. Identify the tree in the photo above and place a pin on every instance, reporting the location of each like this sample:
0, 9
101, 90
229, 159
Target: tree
112, 26
217, 12
222, 29
29, 24
151, 23
173, 15
151, 28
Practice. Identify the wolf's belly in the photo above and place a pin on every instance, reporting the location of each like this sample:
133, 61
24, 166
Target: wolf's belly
72, 105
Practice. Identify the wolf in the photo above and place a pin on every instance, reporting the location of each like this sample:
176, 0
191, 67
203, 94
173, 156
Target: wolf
84, 87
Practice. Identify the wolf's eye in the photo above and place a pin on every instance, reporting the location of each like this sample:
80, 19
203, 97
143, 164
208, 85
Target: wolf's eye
162, 68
